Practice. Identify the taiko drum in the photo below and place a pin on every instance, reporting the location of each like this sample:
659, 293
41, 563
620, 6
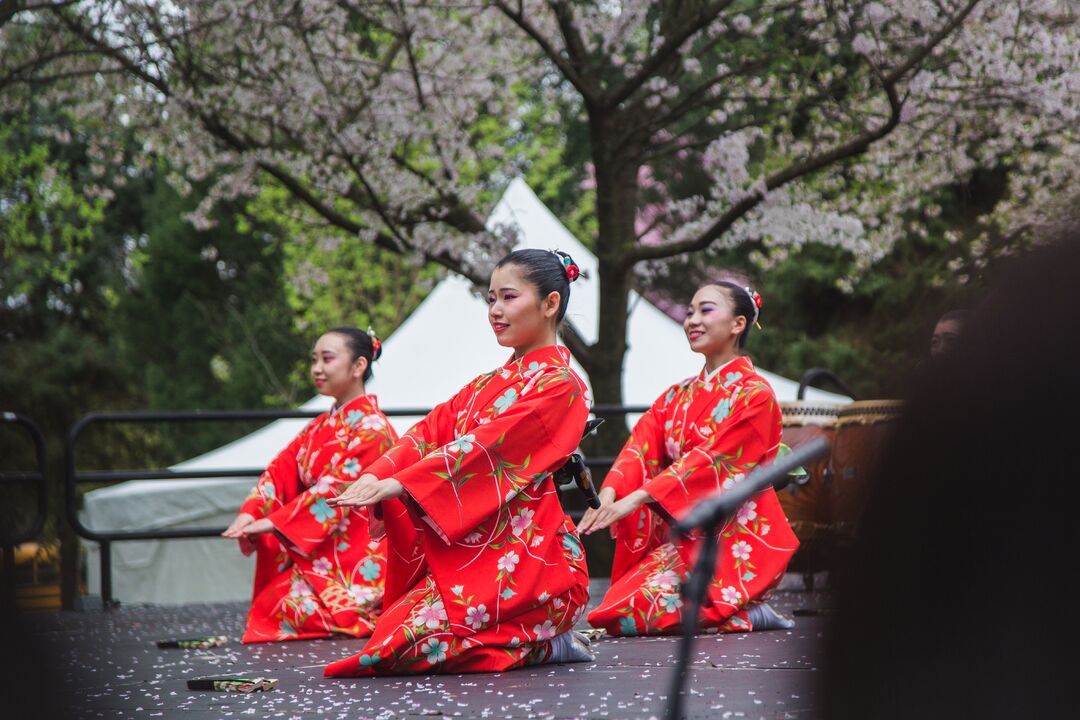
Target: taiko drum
806, 502
861, 431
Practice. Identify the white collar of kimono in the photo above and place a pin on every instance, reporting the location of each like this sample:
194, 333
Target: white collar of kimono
338, 408
708, 377
561, 351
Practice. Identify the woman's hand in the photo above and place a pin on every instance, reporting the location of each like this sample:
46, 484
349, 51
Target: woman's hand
259, 527
611, 511
607, 499
236, 530
366, 491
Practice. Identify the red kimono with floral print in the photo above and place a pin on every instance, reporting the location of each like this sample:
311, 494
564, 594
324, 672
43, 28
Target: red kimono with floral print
701, 436
319, 572
500, 569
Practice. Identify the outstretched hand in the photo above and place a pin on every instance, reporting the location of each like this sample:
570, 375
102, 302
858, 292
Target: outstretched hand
259, 527
235, 531
366, 491
611, 510
239, 530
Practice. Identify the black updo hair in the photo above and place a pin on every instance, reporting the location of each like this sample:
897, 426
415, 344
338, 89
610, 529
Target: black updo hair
360, 346
545, 270
744, 306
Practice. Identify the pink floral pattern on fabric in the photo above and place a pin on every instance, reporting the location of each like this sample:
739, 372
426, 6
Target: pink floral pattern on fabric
497, 569
700, 437
320, 573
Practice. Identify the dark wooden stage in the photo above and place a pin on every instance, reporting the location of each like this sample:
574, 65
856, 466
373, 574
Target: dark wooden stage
109, 667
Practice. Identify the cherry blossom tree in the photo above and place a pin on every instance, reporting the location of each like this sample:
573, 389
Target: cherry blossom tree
830, 121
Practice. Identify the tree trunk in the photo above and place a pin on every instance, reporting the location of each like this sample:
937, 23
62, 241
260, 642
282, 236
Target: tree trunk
616, 203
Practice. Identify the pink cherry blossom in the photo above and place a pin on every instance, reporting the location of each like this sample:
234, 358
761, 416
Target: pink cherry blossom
741, 550
671, 448
299, 588
477, 617
362, 594
546, 631
666, 580
747, 513
372, 422
432, 616
522, 521
508, 561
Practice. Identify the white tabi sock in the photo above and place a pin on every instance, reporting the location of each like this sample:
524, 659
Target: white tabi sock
570, 647
763, 617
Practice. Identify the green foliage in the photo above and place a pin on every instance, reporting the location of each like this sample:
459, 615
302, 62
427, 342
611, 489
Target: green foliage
45, 223
332, 279
58, 284
206, 322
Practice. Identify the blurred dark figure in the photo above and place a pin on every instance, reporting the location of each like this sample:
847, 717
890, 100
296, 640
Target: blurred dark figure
959, 598
30, 682
947, 334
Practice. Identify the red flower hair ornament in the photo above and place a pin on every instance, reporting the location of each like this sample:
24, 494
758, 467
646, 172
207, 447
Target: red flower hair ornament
755, 298
573, 272
376, 344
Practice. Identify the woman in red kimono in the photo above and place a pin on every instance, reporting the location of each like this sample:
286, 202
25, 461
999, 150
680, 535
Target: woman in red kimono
501, 579
701, 436
317, 571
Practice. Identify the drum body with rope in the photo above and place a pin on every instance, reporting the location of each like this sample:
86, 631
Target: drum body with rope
806, 501
861, 430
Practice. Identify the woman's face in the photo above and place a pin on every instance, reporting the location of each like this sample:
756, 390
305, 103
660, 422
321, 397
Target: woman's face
332, 367
519, 318
711, 325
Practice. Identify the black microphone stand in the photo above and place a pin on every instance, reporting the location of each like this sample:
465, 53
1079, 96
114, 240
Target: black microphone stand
708, 517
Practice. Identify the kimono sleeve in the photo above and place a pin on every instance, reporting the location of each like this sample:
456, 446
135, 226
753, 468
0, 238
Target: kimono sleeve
749, 435
280, 481
307, 519
641, 457
464, 482
436, 428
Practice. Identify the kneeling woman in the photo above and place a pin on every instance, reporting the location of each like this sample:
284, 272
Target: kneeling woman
502, 577
317, 571
701, 436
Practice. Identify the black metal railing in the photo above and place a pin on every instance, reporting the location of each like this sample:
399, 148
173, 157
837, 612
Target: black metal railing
11, 537
813, 375
73, 478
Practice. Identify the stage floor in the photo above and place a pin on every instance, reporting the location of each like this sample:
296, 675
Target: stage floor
109, 667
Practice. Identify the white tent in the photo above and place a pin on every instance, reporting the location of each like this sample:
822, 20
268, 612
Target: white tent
440, 347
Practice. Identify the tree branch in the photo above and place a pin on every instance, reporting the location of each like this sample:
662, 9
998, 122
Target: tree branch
850, 149
796, 170
218, 129
921, 54
570, 72
10, 8
664, 54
